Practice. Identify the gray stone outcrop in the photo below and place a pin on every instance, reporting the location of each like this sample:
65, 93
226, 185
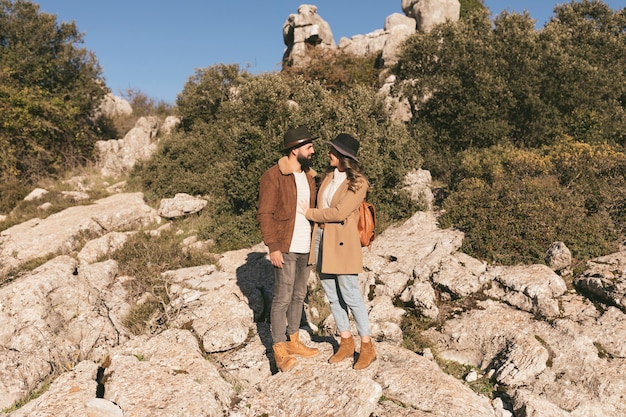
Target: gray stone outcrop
112, 106
605, 278
558, 256
429, 13
59, 232
307, 29
181, 204
118, 156
303, 29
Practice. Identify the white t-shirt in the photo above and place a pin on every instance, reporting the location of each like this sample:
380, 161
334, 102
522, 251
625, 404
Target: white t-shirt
301, 239
338, 179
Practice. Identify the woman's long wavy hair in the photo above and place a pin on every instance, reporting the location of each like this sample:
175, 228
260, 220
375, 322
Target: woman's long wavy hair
352, 168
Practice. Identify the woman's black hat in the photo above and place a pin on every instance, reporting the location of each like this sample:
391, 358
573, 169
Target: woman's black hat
346, 145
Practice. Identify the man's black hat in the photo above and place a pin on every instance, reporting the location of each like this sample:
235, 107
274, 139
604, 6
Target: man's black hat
296, 137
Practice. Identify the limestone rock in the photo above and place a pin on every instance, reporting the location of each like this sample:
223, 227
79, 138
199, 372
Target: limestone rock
118, 156
461, 275
399, 28
399, 108
418, 183
429, 13
531, 288
72, 394
558, 256
49, 317
312, 388
181, 205
36, 194
302, 29
112, 106
101, 247
58, 232
168, 126
605, 277
213, 304
165, 375
415, 382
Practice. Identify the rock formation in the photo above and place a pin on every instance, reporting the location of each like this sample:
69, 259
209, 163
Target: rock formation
119, 156
308, 30
541, 345
304, 30
429, 13
112, 106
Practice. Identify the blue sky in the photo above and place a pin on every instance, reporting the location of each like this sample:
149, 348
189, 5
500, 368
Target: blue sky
155, 46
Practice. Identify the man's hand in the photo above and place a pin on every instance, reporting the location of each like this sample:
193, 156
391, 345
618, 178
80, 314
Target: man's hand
276, 258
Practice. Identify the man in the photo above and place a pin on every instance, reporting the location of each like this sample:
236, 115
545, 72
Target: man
287, 235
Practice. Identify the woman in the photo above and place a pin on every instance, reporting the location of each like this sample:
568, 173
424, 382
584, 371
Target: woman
336, 248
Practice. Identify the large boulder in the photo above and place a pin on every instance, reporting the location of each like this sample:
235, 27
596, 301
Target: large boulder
305, 28
118, 156
429, 13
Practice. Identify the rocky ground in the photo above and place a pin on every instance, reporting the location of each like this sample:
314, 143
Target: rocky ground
530, 335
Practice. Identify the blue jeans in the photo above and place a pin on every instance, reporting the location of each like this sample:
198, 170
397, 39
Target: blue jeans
290, 287
343, 293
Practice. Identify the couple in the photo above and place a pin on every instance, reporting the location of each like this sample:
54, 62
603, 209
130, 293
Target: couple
287, 196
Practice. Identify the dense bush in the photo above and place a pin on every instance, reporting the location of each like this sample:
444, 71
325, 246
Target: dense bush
337, 70
494, 105
513, 203
222, 151
469, 6
49, 91
476, 84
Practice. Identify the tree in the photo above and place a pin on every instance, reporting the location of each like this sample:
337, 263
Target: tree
468, 6
50, 89
474, 84
584, 70
205, 91
233, 131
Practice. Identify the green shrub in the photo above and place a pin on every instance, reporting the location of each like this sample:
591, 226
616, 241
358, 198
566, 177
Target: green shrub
337, 70
478, 83
513, 203
221, 153
50, 89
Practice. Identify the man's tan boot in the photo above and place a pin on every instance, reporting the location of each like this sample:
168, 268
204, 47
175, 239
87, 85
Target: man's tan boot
284, 361
295, 347
346, 350
367, 355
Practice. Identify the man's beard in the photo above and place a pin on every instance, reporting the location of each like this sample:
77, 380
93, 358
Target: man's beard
305, 162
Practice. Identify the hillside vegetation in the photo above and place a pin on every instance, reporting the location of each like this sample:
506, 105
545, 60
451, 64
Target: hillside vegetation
522, 129
49, 91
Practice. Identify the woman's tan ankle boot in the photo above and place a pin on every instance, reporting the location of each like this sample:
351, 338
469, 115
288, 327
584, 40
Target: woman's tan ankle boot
367, 355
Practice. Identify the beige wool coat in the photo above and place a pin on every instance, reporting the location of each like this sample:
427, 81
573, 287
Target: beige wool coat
341, 247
